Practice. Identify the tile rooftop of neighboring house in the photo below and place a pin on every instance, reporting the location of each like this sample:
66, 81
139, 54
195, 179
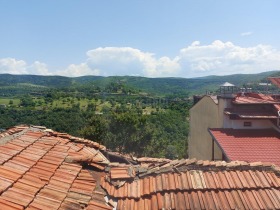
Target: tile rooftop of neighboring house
254, 98
43, 169
249, 144
275, 81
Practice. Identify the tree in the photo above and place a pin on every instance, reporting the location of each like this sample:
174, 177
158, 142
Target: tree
96, 129
26, 101
91, 107
129, 132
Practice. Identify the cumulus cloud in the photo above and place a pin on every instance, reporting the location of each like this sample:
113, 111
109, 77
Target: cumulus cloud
79, 70
130, 61
221, 58
13, 66
217, 58
38, 68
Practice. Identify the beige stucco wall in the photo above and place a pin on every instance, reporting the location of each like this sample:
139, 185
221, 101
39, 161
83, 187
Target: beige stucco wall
239, 124
203, 115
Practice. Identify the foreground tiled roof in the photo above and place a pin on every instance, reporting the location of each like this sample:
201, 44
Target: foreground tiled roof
249, 144
190, 184
42, 169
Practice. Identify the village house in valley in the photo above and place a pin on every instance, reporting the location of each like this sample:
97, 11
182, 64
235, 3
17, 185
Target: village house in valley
236, 125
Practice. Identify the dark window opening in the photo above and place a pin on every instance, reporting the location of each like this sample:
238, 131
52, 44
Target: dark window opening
247, 124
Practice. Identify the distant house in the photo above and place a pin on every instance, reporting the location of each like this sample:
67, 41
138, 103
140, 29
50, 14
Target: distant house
235, 126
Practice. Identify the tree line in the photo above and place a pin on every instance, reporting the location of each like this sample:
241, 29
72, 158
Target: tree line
162, 133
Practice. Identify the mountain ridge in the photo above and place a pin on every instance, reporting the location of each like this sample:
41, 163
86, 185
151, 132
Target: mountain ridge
169, 85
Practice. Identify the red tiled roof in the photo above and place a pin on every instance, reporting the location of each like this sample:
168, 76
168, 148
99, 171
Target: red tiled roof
249, 144
275, 81
190, 184
42, 169
277, 107
252, 99
38, 170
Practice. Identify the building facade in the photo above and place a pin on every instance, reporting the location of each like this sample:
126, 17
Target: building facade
229, 110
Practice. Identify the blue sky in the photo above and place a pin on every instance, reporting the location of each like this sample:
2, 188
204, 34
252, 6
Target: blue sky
145, 38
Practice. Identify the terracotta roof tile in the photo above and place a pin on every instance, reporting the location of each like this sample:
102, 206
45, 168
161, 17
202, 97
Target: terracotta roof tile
249, 145
36, 174
32, 181
17, 197
5, 184
69, 205
98, 206
4, 157
275, 81
227, 188
122, 172
254, 98
7, 205
10, 173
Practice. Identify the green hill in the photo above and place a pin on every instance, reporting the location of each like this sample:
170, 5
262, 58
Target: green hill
158, 86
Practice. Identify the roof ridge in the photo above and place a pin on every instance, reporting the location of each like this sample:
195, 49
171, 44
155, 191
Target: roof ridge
183, 165
12, 133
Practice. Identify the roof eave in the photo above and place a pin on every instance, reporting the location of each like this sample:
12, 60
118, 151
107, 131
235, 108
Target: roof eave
220, 146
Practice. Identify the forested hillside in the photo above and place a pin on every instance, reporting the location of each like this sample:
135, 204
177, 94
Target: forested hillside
156, 86
134, 115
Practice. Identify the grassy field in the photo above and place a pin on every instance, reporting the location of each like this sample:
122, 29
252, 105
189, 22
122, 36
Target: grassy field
6, 101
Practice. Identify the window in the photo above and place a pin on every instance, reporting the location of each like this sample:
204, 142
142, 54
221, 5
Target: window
247, 124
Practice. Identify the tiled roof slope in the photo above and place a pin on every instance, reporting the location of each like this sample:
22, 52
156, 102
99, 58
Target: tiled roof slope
249, 144
190, 184
254, 98
275, 81
42, 169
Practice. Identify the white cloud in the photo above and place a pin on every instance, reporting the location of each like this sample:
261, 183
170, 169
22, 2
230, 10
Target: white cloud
195, 43
217, 58
248, 33
129, 61
78, 70
122, 61
13, 66
221, 58
38, 68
